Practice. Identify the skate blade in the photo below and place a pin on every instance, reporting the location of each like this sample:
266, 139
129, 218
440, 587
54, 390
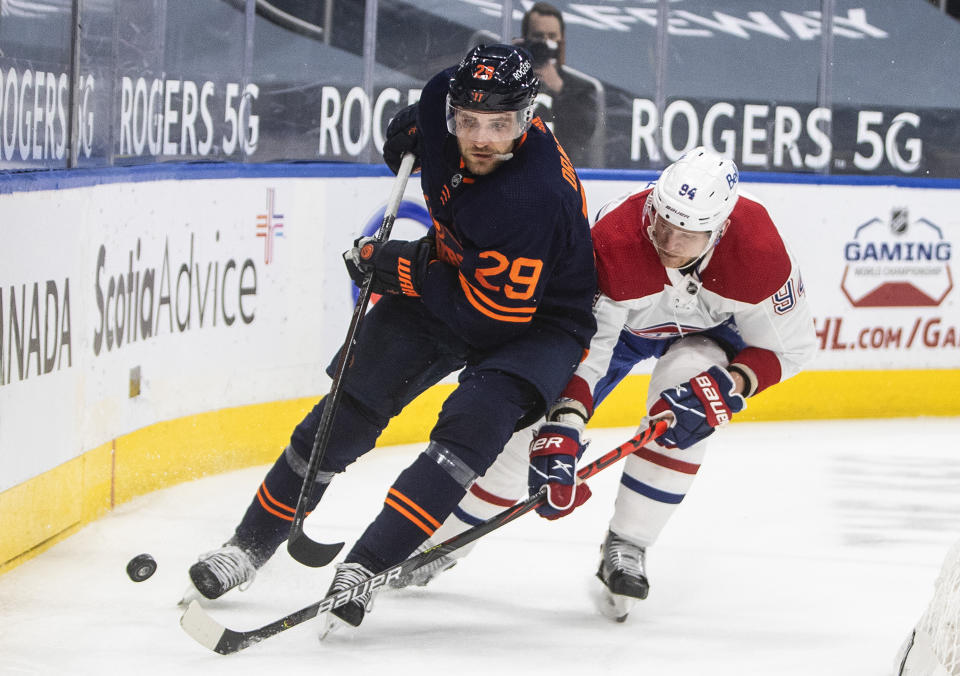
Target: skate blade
191, 593
614, 607
331, 624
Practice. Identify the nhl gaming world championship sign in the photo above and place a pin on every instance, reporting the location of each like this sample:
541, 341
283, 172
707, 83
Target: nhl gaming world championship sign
897, 263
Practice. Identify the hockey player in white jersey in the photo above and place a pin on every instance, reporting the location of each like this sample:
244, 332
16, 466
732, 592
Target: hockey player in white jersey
695, 275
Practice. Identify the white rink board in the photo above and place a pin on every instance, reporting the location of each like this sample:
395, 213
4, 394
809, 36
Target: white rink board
200, 343
204, 346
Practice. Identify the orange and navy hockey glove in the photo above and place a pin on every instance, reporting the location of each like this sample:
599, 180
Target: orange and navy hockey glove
398, 267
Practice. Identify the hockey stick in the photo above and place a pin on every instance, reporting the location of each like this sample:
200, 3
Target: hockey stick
300, 546
211, 634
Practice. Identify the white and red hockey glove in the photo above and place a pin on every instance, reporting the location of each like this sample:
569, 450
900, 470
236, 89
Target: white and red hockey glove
699, 406
553, 463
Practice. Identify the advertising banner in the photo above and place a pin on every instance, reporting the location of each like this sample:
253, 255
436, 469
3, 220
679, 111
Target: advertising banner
127, 304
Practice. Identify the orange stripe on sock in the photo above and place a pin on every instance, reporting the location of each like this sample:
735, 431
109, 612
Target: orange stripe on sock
274, 501
417, 522
420, 510
271, 510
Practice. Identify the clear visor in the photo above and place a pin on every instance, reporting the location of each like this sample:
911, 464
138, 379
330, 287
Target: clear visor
492, 127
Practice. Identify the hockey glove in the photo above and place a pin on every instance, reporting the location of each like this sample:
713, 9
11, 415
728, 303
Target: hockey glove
553, 463
699, 406
397, 267
402, 137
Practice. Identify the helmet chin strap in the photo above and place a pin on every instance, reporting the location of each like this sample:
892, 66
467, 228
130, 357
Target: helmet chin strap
503, 157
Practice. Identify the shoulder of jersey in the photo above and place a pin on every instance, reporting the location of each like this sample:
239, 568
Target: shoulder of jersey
751, 261
627, 263
542, 159
535, 179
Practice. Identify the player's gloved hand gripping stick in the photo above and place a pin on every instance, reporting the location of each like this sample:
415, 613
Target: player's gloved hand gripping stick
300, 546
553, 456
699, 406
211, 634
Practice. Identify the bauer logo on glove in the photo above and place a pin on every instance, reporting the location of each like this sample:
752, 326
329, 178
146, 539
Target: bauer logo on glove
553, 462
705, 402
541, 443
716, 409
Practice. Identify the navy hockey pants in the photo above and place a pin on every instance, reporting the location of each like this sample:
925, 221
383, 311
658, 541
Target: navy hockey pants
401, 350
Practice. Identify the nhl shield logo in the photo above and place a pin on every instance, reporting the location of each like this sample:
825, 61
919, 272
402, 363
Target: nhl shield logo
899, 219
455, 181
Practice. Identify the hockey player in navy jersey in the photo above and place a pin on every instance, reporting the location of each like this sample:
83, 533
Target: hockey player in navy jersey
694, 274
501, 287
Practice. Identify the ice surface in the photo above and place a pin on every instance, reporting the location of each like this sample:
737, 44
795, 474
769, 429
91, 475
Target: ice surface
803, 548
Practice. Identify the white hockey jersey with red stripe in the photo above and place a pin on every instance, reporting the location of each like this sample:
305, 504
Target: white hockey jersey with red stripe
749, 276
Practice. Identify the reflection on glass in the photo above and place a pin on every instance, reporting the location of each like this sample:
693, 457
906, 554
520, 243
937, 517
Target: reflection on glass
771, 84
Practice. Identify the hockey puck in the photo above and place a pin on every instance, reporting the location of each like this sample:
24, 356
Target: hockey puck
141, 567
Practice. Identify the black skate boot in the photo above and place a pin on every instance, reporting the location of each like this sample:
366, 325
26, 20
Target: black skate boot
220, 570
623, 573
352, 612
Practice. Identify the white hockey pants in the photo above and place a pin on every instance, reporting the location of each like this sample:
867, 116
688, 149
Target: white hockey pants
654, 480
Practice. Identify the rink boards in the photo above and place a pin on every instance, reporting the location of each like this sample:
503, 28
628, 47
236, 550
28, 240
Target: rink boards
159, 324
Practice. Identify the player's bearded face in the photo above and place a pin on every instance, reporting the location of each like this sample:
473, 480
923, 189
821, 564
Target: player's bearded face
483, 138
675, 246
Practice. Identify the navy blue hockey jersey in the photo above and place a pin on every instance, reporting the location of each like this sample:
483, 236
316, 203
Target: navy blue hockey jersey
514, 245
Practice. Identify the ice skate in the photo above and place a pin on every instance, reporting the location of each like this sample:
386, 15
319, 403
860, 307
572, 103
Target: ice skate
352, 612
219, 571
424, 574
623, 574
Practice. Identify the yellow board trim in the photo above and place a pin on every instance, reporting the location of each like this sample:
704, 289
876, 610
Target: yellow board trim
44, 510
816, 395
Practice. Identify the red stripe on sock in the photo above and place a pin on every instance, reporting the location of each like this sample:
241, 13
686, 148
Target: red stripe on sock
490, 497
667, 461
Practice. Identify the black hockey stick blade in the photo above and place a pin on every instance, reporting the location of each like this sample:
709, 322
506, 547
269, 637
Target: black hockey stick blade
310, 552
211, 634
301, 547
